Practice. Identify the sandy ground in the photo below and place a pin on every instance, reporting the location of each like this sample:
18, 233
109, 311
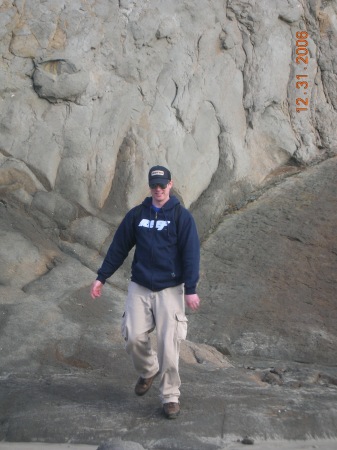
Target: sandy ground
326, 444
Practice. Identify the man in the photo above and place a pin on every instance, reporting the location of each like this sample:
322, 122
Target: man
165, 272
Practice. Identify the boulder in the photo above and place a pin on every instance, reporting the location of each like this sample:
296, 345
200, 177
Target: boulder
59, 80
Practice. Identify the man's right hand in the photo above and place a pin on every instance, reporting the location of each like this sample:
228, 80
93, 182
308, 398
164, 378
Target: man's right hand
96, 289
192, 301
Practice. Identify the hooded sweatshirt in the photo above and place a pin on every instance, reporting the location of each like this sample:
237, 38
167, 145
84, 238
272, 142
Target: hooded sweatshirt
167, 247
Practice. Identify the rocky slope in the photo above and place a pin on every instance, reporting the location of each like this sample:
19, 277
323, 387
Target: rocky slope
91, 94
260, 360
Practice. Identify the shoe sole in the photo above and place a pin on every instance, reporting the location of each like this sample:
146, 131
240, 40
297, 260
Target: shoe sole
172, 416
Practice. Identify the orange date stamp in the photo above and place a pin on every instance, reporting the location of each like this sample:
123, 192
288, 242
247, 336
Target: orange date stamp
302, 59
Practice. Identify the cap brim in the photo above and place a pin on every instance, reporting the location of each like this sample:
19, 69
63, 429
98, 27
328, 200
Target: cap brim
159, 181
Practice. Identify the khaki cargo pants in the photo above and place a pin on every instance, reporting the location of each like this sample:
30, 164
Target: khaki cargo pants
164, 310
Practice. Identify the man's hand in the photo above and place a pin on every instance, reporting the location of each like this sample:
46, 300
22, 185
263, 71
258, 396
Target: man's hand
96, 289
192, 301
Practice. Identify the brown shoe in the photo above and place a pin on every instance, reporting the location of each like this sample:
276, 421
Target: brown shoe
144, 384
171, 410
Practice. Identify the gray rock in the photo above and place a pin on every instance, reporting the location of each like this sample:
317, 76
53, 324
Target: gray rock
270, 266
93, 94
118, 444
20, 261
24, 44
267, 290
15, 175
90, 231
59, 80
206, 89
56, 207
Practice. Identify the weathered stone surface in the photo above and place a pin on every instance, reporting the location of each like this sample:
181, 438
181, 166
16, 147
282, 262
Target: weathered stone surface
20, 261
206, 88
15, 175
23, 258
91, 95
118, 444
268, 269
90, 231
261, 356
59, 79
56, 207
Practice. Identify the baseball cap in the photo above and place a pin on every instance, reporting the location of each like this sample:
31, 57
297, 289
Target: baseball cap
159, 175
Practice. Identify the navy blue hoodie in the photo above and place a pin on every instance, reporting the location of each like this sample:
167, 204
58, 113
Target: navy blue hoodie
167, 247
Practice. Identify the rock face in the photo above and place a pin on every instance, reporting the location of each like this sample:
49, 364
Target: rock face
262, 361
239, 99
93, 93
270, 273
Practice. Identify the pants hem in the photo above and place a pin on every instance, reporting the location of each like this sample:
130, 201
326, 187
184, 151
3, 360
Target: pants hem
170, 400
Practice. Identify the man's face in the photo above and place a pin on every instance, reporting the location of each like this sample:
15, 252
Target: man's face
161, 193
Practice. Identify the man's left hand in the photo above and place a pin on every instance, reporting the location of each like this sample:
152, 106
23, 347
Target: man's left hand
192, 301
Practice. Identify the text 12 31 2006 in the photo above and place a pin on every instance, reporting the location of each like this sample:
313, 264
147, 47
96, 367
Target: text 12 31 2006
302, 58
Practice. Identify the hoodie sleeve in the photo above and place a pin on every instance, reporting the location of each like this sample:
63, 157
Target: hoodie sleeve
122, 243
189, 248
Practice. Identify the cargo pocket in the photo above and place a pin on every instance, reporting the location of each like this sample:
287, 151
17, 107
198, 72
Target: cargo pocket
123, 327
181, 326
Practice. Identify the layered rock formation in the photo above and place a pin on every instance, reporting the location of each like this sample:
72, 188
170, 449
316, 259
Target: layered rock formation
233, 96
93, 93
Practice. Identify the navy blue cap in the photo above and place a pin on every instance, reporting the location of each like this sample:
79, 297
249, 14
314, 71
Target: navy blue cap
159, 175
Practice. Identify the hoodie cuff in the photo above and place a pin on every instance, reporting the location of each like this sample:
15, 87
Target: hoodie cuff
101, 279
189, 290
